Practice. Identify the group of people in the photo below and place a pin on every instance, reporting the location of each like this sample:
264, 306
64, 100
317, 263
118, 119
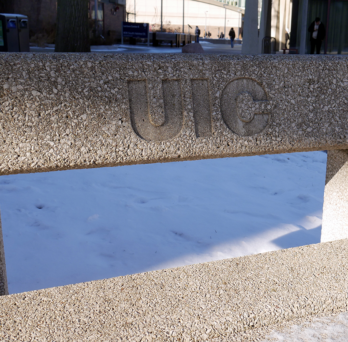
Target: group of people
232, 35
316, 29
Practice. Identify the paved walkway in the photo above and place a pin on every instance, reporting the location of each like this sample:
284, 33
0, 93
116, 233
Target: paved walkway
208, 48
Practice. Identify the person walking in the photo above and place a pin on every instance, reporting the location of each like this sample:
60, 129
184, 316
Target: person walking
232, 35
317, 35
197, 33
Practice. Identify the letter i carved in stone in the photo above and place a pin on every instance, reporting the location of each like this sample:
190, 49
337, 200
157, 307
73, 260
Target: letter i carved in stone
156, 108
201, 108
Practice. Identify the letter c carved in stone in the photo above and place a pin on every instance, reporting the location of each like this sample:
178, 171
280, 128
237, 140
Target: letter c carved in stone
245, 107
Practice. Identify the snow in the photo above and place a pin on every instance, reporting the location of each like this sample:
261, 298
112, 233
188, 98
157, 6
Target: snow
325, 329
202, 41
72, 226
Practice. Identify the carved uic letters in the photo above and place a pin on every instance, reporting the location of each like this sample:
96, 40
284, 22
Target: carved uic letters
201, 107
245, 107
156, 109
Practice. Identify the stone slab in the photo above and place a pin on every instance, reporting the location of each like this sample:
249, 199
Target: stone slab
64, 111
335, 209
230, 300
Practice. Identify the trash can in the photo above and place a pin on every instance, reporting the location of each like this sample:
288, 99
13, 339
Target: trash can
14, 32
23, 33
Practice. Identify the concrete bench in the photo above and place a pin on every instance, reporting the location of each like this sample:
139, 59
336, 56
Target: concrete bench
291, 51
158, 37
166, 36
174, 38
66, 111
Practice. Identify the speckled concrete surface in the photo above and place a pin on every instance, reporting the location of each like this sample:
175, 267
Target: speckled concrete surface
234, 299
61, 111
335, 210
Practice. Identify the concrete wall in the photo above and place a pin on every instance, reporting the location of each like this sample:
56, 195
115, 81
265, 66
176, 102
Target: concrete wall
66, 111
62, 111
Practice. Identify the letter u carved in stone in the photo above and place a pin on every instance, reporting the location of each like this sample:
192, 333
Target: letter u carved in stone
156, 108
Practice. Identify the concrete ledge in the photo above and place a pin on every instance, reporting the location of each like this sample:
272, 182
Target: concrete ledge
220, 300
193, 48
64, 111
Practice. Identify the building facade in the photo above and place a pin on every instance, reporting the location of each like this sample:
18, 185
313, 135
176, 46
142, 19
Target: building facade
288, 21
42, 16
110, 15
332, 13
185, 15
285, 20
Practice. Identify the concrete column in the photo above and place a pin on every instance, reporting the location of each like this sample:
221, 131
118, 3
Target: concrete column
275, 22
265, 23
282, 21
239, 25
304, 27
250, 34
295, 12
3, 275
335, 211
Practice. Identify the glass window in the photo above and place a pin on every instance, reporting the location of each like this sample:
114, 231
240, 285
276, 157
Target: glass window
2, 43
337, 33
100, 15
337, 36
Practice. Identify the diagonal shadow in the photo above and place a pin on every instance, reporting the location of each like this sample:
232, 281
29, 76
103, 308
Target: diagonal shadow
304, 236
